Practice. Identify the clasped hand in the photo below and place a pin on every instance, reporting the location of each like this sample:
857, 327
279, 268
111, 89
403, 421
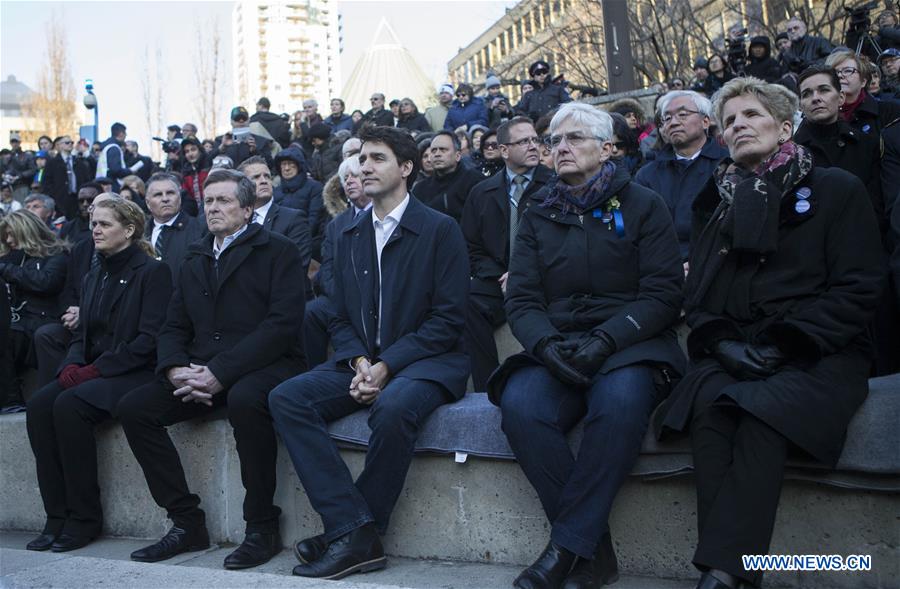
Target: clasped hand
575, 362
748, 361
194, 383
368, 381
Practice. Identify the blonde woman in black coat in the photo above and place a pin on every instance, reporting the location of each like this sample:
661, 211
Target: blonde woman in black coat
123, 304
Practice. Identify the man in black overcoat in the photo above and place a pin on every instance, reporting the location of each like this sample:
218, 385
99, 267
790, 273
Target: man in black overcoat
231, 335
170, 230
401, 283
489, 221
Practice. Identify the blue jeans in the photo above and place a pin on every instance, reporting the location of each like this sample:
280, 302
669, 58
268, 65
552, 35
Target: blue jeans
577, 492
302, 406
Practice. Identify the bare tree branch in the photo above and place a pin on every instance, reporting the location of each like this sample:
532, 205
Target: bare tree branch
52, 106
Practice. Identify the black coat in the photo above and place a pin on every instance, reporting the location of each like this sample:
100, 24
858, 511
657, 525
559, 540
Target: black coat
240, 318
325, 276
179, 236
424, 281
485, 225
811, 49
812, 298
383, 117
841, 146
448, 194
137, 297
36, 282
77, 267
417, 122
872, 116
542, 99
292, 224
56, 181
75, 229
570, 274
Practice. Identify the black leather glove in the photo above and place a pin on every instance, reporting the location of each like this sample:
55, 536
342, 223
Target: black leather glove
555, 355
747, 361
593, 350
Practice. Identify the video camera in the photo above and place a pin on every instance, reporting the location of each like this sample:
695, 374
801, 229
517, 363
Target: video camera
736, 48
859, 17
173, 146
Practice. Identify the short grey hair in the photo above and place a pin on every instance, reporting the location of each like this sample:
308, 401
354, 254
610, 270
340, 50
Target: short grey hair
701, 103
592, 120
347, 143
778, 101
310, 102
245, 187
46, 201
348, 167
163, 177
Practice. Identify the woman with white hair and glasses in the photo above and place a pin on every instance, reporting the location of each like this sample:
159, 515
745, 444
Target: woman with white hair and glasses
784, 278
594, 288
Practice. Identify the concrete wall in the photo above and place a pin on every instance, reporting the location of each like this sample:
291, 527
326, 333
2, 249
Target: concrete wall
482, 510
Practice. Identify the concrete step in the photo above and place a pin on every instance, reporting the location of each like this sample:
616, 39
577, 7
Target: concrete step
105, 563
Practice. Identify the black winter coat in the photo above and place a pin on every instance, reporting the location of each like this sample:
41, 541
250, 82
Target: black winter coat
812, 298
542, 100
417, 122
293, 225
239, 315
77, 267
135, 301
570, 274
485, 225
36, 284
448, 194
872, 116
179, 236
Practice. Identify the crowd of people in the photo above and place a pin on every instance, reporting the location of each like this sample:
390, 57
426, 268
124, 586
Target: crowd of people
298, 269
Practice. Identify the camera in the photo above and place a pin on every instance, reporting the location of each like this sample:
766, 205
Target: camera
859, 17
173, 146
736, 48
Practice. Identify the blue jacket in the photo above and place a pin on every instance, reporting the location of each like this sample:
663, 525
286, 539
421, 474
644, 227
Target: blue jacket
679, 185
473, 112
424, 289
343, 123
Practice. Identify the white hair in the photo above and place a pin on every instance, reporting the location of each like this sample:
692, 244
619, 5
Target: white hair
310, 102
349, 167
593, 121
702, 103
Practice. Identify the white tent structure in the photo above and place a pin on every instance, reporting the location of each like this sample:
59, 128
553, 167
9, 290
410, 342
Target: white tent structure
387, 67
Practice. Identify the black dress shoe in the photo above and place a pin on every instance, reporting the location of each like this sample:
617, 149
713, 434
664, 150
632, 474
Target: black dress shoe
707, 581
42, 542
255, 550
549, 570
66, 542
310, 549
359, 551
176, 541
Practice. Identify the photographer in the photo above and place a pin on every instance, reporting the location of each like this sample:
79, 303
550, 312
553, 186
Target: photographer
241, 144
808, 48
888, 32
867, 39
787, 59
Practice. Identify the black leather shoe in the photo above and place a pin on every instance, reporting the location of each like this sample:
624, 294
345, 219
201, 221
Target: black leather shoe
310, 549
549, 570
176, 541
707, 581
255, 550
359, 551
66, 542
42, 542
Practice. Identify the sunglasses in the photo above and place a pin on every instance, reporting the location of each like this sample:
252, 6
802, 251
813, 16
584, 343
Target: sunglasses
240, 120
461, 94
541, 72
491, 146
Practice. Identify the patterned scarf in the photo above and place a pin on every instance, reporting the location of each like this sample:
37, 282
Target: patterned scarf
582, 197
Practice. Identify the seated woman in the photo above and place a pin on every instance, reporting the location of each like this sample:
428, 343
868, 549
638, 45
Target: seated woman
33, 265
123, 305
594, 288
784, 278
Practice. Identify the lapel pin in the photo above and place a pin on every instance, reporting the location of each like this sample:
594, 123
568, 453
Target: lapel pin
803, 193
802, 206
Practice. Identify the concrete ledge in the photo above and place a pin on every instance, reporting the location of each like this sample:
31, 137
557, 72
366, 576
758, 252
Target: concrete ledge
482, 510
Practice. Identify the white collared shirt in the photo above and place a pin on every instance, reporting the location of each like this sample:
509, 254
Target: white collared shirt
262, 212
217, 251
157, 229
690, 158
383, 231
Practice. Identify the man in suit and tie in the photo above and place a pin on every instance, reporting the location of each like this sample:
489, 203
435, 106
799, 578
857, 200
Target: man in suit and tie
230, 336
170, 230
285, 221
489, 223
63, 175
400, 284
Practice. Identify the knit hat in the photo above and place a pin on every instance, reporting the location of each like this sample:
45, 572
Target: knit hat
445, 88
781, 36
491, 81
319, 131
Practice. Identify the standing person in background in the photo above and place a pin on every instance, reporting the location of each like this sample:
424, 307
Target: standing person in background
194, 172
437, 114
449, 185
277, 127
338, 120
111, 160
377, 115
862, 111
467, 110
545, 96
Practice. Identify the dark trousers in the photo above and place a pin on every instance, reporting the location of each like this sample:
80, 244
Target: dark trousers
147, 411
13, 364
317, 315
739, 465
484, 314
577, 493
51, 342
60, 425
301, 408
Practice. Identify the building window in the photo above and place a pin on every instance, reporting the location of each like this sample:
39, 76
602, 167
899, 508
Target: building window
519, 38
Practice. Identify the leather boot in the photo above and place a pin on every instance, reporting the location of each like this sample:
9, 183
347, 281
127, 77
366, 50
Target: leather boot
549, 570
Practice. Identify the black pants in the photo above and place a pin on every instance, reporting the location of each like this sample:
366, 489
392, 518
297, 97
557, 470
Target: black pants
50, 344
484, 314
13, 364
147, 411
60, 426
316, 317
739, 464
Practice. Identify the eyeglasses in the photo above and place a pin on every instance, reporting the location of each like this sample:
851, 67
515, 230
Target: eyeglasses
527, 142
490, 146
541, 72
69, 142
375, 99
573, 139
681, 115
794, 28
240, 120
846, 72
461, 94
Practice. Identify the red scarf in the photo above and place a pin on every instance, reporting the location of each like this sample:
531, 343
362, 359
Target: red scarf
848, 108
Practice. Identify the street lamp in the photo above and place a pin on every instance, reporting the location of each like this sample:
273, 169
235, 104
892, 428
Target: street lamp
90, 102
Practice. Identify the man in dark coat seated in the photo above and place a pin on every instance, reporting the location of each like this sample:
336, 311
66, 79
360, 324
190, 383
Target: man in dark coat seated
400, 282
448, 187
170, 230
489, 222
231, 335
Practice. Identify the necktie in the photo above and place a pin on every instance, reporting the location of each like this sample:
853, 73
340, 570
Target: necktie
160, 246
95, 260
518, 189
71, 174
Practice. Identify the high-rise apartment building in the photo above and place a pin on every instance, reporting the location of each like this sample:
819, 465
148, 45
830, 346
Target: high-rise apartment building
286, 51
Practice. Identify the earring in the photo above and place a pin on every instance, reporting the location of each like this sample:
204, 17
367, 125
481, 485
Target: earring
781, 141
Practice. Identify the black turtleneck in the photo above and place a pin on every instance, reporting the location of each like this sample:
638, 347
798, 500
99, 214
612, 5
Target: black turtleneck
111, 268
824, 131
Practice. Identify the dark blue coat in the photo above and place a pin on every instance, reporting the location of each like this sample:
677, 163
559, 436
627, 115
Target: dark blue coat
679, 185
425, 286
342, 123
473, 112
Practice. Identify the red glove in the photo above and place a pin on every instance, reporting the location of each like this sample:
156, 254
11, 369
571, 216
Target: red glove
67, 375
74, 375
